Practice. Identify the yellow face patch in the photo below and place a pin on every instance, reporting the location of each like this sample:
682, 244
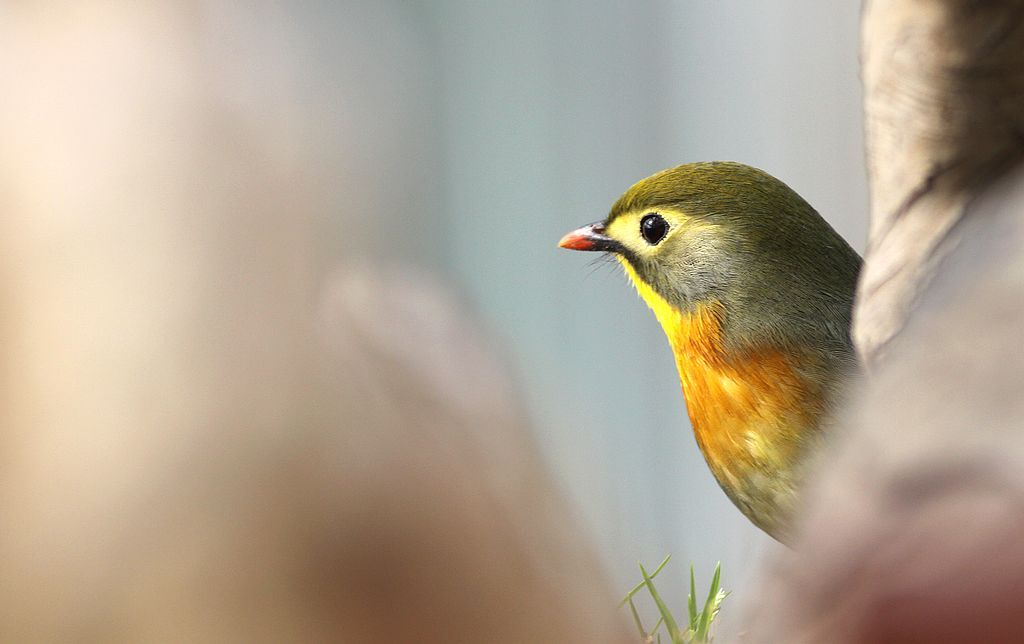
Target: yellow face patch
625, 229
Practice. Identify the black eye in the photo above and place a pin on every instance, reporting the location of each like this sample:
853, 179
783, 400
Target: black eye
653, 228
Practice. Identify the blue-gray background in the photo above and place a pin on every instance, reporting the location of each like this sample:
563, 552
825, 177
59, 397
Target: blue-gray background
469, 136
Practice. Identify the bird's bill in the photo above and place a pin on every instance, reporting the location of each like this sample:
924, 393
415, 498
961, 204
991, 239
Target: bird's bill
589, 237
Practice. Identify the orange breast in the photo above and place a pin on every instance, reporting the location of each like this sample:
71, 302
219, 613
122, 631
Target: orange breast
748, 411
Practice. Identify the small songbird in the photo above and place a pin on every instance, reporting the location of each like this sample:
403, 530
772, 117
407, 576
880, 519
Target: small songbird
754, 291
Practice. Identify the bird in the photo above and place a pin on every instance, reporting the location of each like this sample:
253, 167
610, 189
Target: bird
754, 291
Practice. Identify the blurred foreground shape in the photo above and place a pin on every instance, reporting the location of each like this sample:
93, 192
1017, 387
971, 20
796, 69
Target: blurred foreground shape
209, 434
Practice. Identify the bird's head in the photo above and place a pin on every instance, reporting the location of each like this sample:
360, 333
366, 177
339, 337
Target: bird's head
728, 234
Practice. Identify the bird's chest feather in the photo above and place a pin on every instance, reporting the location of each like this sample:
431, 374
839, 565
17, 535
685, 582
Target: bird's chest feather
742, 405
748, 412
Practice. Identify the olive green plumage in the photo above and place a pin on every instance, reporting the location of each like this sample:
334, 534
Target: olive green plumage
754, 290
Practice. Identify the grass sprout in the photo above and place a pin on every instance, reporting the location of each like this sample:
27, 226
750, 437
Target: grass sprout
699, 623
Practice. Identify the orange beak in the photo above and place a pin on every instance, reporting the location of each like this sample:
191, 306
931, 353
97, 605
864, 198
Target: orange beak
590, 237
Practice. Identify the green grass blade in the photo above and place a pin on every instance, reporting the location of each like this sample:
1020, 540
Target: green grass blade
670, 621
637, 588
661, 620
636, 619
692, 601
714, 613
712, 604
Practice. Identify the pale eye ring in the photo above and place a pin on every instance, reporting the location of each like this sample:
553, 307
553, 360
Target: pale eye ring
653, 228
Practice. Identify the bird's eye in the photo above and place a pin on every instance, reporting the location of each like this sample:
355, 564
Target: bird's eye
653, 228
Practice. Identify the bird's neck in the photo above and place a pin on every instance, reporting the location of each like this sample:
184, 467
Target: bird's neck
696, 333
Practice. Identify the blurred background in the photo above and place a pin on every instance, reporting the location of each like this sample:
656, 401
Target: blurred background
492, 128
461, 138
